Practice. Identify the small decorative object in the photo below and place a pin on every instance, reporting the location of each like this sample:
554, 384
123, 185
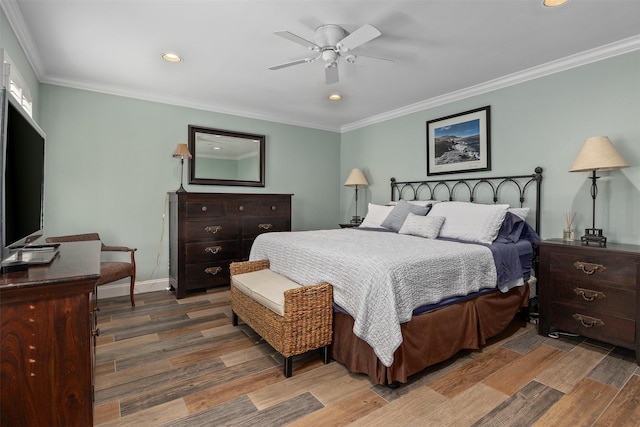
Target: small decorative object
182, 152
459, 143
597, 153
567, 233
356, 179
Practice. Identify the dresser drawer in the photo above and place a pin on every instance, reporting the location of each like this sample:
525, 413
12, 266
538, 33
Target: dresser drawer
242, 207
593, 324
595, 296
597, 268
204, 208
212, 229
215, 250
206, 275
255, 226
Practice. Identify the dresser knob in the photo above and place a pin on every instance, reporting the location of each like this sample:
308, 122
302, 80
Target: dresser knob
588, 321
213, 270
204, 209
213, 249
589, 268
240, 208
213, 229
265, 226
588, 294
274, 207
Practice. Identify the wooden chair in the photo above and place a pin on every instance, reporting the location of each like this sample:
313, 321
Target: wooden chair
109, 271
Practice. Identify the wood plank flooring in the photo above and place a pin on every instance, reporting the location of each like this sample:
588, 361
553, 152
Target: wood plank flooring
171, 362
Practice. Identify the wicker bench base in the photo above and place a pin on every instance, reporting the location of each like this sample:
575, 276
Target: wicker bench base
307, 322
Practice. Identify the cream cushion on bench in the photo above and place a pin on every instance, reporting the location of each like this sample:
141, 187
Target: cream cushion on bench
265, 287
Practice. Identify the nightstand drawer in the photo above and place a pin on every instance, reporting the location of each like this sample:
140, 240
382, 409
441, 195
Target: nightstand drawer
585, 268
593, 324
595, 296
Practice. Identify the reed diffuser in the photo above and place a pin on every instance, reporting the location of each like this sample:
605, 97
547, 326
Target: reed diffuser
567, 233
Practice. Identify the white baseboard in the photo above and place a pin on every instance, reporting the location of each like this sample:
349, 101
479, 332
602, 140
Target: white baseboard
121, 289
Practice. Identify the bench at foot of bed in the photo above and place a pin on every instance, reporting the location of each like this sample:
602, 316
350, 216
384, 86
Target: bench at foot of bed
293, 319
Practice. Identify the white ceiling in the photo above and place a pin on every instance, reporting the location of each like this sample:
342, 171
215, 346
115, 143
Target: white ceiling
442, 49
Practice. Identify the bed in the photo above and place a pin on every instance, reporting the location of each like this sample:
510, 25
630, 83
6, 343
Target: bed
443, 266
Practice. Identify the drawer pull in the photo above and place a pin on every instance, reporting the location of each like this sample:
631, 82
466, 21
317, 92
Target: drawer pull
240, 208
265, 226
589, 295
213, 249
213, 229
587, 321
274, 207
203, 209
213, 270
589, 268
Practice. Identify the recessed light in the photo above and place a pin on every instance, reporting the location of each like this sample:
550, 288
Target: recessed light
171, 57
554, 3
335, 97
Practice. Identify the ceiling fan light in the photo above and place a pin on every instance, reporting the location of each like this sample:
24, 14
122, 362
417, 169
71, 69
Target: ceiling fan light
335, 97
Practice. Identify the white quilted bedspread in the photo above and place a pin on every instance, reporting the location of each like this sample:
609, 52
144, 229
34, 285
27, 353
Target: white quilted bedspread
378, 277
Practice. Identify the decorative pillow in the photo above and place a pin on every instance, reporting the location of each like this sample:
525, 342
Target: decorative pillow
521, 212
422, 226
399, 213
375, 215
471, 222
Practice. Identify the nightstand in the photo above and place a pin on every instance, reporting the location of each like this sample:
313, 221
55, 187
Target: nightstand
591, 291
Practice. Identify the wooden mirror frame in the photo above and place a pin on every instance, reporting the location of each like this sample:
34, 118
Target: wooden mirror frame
213, 180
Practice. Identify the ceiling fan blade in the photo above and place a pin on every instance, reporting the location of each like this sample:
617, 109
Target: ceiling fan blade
331, 74
297, 39
358, 38
373, 58
292, 63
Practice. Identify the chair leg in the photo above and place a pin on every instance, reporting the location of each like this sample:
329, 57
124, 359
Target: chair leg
288, 366
133, 303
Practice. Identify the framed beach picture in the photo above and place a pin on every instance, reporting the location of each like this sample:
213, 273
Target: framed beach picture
459, 143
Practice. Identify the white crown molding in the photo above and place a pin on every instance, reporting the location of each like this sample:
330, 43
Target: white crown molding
19, 27
597, 54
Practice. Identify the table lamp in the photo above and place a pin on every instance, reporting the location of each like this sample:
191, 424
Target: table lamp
356, 179
597, 153
182, 152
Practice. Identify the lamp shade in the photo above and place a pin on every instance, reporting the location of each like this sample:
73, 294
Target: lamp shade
356, 178
598, 153
182, 152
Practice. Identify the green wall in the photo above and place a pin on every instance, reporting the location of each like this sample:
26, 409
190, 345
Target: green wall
542, 122
109, 167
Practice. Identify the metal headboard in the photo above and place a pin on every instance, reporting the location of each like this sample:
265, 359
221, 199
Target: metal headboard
494, 188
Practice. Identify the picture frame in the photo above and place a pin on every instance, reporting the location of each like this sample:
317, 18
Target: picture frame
459, 143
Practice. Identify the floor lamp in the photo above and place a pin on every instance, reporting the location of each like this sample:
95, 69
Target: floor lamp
597, 153
356, 179
182, 152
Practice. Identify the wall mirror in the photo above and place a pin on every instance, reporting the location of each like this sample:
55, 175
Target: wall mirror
222, 157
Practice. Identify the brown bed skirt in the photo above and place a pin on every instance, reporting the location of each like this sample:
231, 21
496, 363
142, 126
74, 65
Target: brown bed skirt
431, 337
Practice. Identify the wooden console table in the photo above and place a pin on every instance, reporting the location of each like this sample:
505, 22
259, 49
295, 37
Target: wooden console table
46, 326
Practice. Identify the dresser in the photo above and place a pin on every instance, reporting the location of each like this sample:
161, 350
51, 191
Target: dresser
208, 231
591, 291
47, 325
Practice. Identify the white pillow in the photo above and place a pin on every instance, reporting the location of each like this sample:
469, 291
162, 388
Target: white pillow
521, 212
422, 226
471, 222
375, 215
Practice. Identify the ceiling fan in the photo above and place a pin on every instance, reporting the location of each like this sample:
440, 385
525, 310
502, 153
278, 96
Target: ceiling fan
332, 42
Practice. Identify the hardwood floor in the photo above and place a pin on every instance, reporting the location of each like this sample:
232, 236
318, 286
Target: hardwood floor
171, 362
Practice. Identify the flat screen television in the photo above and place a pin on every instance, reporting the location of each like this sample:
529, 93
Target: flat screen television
22, 179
